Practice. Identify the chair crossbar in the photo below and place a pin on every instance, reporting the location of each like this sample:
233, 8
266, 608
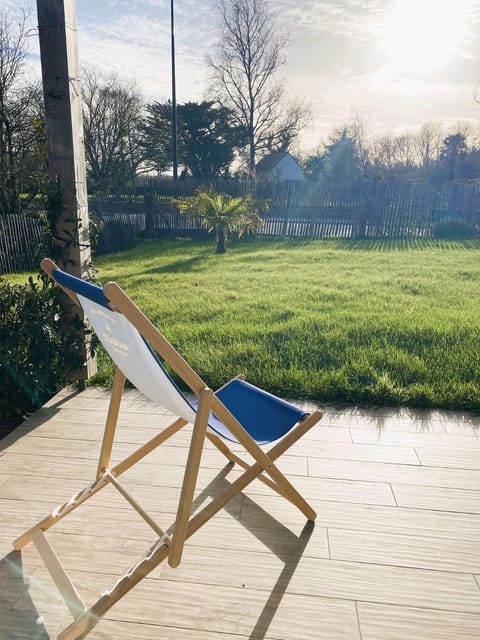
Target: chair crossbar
232, 457
266, 481
131, 500
91, 489
221, 446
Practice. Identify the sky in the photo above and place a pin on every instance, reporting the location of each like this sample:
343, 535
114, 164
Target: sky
395, 63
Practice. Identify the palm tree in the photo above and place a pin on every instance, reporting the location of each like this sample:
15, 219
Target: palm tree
223, 213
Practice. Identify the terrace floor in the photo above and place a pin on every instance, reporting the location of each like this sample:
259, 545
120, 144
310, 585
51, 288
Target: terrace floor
394, 553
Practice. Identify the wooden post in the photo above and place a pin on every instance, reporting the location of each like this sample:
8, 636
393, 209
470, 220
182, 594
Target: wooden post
57, 27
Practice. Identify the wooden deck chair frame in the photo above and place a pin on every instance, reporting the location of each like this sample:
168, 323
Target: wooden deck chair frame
170, 541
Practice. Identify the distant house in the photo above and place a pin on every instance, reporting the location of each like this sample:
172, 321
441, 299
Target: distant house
277, 167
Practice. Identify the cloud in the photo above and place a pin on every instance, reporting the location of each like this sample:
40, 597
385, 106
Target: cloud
345, 19
136, 43
334, 61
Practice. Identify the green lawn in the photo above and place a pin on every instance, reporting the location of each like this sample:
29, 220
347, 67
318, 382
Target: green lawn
382, 322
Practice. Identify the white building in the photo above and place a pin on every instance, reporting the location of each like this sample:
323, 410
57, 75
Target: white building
276, 167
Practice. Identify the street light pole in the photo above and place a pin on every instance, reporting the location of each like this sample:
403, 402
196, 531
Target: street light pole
174, 96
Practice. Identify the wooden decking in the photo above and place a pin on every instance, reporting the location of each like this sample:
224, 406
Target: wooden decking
394, 553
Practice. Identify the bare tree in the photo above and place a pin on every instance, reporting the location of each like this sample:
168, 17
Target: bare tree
248, 55
394, 157
17, 98
405, 152
112, 114
428, 142
358, 132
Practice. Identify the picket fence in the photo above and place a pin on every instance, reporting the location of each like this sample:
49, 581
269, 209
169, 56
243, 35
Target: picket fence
20, 237
304, 209
296, 209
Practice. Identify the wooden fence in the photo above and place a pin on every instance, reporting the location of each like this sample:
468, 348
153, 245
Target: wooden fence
20, 236
297, 209
309, 210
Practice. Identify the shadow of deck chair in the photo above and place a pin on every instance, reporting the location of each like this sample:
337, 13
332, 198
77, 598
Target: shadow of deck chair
238, 412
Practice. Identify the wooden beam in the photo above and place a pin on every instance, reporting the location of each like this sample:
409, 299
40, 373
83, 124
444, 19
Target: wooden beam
141, 512
57, 26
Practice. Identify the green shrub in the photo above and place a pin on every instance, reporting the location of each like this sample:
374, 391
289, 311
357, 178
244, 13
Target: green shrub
453, 229
33, 350
116, 236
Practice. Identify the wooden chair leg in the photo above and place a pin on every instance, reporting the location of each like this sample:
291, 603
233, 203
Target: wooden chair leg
252, 472
232, 457
87, 620
190, 477
60, 577
288, 490
111, 424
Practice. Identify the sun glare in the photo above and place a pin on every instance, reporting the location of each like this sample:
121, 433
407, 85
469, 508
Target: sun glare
424, 34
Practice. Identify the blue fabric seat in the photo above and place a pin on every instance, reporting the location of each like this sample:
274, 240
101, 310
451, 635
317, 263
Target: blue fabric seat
264, 416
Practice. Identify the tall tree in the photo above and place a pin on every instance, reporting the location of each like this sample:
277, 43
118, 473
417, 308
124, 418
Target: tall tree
358, 132
207, 137
313, 166
112, 117
248, 55
453, 154
341, 162
18, 135
157, 136
428, 142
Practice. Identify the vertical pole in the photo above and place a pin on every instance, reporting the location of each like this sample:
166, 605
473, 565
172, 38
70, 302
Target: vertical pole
57, 26
174, 96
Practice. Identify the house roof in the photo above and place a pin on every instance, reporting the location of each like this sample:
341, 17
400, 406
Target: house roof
270, 161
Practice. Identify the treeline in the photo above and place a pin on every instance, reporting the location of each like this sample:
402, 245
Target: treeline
433, 154
127, 137
246, 117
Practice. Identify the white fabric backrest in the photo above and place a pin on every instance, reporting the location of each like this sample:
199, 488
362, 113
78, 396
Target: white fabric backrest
132, 356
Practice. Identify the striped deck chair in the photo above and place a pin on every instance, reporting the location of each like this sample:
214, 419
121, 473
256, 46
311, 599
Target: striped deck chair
238, 412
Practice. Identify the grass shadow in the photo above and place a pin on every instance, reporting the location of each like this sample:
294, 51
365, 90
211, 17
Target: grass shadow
385, 245
179, 266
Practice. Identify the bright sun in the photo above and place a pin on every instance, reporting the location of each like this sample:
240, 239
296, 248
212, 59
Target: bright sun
424, 34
